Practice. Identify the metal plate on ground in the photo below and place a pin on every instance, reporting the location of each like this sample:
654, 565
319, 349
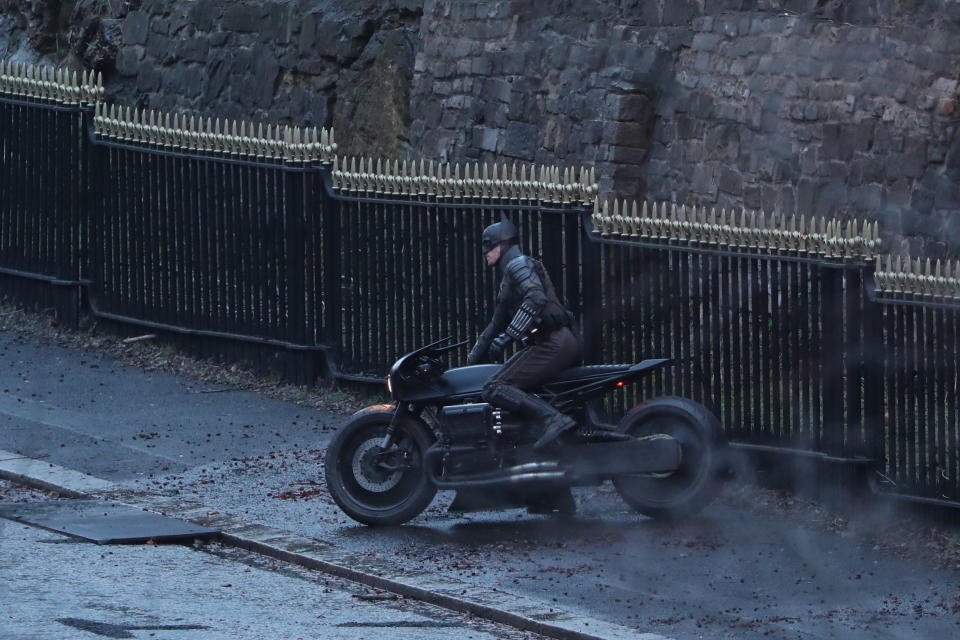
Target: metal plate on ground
103, 522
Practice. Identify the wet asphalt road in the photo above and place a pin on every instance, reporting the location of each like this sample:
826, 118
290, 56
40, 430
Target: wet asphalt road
59, 587
723, 574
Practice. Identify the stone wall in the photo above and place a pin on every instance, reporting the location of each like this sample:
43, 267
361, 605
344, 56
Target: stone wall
809, 106
814, 107
346, 64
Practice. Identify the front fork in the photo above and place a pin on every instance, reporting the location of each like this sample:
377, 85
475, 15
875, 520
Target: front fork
390, 438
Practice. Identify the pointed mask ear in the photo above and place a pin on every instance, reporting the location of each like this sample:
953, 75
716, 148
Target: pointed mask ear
509, 231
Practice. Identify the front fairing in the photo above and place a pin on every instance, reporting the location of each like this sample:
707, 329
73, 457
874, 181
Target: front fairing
422, 376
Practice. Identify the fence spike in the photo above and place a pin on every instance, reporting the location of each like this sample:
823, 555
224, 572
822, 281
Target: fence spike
595, 219
661, 221
124, 121
725, 230
376, 174
367, 179
346, 178
242, 138
418, 178
359, 176
467, 182
166, 131
386, 178
849, 241
261, 148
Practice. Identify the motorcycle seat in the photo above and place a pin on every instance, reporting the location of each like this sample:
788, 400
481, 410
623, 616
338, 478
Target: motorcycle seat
591, 370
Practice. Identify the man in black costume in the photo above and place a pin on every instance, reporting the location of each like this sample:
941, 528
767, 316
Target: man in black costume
529, 312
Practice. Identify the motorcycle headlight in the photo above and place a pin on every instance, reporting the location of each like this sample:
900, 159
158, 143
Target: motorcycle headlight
389, 385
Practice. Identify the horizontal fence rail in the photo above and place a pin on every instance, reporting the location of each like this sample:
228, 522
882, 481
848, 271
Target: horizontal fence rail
791, 329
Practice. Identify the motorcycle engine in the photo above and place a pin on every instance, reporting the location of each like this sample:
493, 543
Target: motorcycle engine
467, 424
477, 432
477, 424
507, 425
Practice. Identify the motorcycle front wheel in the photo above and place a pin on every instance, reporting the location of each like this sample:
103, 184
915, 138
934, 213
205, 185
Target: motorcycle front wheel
695, 483
373, 488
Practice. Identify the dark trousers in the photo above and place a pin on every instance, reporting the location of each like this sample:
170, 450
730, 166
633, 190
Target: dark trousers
531, 367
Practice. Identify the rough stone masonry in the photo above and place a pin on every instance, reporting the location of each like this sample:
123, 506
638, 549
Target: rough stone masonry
817, 107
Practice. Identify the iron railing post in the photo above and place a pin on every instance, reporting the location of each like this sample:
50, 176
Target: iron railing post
295, 321
592, 301
832, 363
332, 271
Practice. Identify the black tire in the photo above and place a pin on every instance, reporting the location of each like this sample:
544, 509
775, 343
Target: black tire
376, 497
695, 484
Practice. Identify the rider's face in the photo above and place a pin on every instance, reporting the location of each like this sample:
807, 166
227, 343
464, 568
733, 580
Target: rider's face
493, 255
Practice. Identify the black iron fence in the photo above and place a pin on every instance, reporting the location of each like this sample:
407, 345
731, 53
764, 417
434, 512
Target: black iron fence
409, 265
790, 329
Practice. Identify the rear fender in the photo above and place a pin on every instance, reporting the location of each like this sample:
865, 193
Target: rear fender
596, 385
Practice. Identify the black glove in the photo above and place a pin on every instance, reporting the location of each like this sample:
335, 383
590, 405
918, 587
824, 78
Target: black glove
476, 354
498, 345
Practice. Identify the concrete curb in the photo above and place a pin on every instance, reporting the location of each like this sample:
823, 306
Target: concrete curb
520, 612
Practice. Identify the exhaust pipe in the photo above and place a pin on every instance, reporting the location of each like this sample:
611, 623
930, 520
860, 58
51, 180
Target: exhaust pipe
521, 473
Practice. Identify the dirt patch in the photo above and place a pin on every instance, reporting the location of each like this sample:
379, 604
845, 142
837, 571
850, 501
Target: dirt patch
10, 492
152, 354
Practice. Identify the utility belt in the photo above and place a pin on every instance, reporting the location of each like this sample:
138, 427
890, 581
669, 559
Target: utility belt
557, 319
546, 326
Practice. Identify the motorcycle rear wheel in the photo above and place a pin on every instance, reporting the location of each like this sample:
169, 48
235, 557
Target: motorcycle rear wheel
695, 484
372, 495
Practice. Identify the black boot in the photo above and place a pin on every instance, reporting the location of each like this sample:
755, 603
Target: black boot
553, 422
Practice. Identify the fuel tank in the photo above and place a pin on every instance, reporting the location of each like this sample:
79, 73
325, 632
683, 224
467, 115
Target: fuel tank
462, 383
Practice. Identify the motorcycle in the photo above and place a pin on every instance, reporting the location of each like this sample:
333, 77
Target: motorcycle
386, 464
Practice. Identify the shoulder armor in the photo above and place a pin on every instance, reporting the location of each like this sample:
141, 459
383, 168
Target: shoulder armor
520, 269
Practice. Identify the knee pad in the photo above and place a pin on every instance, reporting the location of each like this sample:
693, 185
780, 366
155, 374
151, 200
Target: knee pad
502, 394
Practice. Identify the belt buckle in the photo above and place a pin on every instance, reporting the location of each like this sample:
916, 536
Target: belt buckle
530, 337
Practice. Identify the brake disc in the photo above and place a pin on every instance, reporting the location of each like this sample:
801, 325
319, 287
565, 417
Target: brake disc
368, 476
